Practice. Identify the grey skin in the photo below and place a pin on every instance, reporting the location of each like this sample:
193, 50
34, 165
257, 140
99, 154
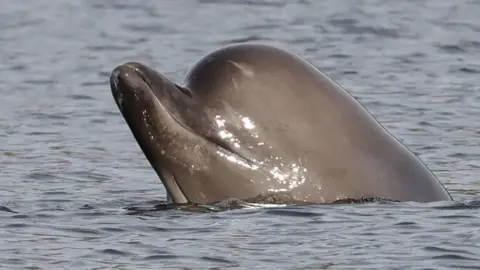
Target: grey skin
253, 119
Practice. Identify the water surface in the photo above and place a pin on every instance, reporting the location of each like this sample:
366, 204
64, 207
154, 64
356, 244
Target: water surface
70, 169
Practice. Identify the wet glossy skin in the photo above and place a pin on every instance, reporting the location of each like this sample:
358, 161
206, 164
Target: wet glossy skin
252, 119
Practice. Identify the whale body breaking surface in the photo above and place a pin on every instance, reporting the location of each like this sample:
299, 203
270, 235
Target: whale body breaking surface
253, 119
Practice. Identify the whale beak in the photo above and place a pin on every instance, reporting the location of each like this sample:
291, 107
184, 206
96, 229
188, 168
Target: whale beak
127, 77
141, 95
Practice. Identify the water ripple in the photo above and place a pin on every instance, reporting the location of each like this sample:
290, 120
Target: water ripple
77, 192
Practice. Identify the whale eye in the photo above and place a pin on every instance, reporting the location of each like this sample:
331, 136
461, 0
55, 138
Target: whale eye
185, 91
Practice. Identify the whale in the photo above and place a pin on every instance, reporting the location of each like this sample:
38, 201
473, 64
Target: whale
253, 119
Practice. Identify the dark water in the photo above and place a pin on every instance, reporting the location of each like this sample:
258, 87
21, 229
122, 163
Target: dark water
71, 170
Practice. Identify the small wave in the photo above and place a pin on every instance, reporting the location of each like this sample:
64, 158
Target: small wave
277, 200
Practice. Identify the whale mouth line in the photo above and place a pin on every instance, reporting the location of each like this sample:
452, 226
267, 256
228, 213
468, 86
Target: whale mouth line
217, 142
148, 102
147, 86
